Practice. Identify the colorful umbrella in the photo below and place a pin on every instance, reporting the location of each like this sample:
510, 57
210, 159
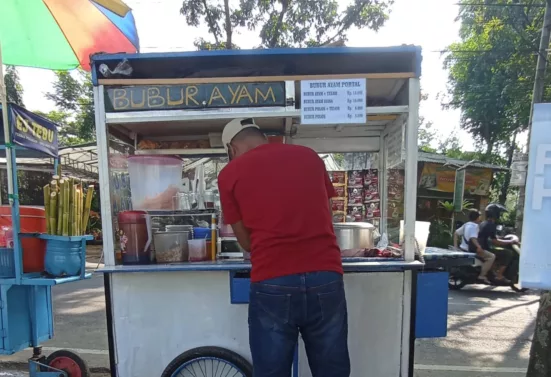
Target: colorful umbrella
62, 34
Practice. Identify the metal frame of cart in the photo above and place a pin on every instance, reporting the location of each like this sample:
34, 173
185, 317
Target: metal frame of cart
148, 106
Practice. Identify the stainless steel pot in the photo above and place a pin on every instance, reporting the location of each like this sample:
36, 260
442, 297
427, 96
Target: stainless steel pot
355, 235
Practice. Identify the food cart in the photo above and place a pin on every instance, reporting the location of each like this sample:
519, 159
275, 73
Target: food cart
29, 267
356, 104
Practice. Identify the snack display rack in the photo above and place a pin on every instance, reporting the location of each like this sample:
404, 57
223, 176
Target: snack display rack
178, 104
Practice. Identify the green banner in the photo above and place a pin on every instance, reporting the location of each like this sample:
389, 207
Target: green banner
459, 190
194, 96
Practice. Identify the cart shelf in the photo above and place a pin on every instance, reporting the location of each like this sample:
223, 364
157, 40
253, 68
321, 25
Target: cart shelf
208, 152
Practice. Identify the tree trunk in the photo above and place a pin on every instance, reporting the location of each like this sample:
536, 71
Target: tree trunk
510, 153
540, 353
277, 30
229, 31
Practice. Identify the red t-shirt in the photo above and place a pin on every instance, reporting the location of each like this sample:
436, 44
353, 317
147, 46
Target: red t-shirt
281, 193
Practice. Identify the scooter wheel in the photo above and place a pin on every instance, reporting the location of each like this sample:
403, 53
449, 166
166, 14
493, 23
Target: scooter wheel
455, 283
69, 362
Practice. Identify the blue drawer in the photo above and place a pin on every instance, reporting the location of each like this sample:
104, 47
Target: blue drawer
239, 288
431, 317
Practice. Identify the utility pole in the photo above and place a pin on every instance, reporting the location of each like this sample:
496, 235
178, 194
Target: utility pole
540, 352
537, 97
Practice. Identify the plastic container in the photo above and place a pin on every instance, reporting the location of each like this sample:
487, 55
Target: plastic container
154, 181
65, 256
202, 233
171, 247
198, 250
133, 236
32, 220
422, 231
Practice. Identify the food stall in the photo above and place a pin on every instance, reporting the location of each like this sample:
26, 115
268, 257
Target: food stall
186, 303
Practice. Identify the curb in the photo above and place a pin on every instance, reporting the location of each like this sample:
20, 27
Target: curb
21, 366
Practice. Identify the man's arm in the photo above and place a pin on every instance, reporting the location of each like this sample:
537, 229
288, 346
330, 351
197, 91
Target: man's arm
242, 235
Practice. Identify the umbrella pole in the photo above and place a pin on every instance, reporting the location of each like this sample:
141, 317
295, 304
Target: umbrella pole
7, 128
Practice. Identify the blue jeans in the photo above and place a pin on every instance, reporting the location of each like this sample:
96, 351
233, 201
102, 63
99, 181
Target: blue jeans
313, 304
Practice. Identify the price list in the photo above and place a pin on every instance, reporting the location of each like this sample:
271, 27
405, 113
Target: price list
333, 101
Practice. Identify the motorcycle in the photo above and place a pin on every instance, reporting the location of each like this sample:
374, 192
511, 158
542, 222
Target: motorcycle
465, 275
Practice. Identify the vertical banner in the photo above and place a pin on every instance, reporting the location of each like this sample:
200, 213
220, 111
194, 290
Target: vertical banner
459, 190
535, 259
32, 131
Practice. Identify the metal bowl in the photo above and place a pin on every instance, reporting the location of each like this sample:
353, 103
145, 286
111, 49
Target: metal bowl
355, 235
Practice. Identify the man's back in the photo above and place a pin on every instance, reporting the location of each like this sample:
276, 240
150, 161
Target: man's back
281, 193
486, 231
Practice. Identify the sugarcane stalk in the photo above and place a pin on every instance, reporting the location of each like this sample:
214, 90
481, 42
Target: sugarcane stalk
87, 206
53, 186
47, 205
71, 205
52, 217
78, 218
65, 227
60, 202
74, 223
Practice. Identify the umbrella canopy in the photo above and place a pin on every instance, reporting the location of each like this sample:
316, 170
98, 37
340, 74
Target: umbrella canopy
62, 34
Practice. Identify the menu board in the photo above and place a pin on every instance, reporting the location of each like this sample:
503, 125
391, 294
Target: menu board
333, 101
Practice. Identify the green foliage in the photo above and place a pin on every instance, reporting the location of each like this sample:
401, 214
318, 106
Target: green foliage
14, 89
440, 234
283, 23
491, 70
73, 96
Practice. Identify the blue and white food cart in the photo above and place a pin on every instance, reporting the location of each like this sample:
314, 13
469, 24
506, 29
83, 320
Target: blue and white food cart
26, 312
190, 318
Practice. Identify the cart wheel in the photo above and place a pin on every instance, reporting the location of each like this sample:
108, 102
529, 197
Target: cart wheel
208, 362
69, 362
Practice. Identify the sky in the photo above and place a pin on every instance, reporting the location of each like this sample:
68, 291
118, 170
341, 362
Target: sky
427, 23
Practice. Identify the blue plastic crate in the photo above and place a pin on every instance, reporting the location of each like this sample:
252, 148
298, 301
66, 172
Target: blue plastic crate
7, 263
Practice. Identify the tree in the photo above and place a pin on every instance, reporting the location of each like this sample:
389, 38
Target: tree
491, 70
73, 96
282, 23
14, 88
491, 74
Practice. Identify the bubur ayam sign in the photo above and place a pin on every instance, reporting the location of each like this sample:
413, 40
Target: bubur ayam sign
195, 96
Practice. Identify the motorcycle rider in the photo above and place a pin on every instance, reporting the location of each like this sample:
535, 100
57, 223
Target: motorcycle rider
487, 238
469, 243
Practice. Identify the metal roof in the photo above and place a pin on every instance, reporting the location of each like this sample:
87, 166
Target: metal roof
265, 62
444, 160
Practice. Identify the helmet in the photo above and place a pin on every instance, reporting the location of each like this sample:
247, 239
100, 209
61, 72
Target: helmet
494, 210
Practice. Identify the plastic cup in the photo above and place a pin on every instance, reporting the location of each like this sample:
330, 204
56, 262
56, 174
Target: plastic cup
197, 250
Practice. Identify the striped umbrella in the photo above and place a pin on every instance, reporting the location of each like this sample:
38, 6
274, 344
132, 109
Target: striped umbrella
62, 34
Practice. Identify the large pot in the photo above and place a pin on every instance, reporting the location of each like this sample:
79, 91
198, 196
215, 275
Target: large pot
355, 235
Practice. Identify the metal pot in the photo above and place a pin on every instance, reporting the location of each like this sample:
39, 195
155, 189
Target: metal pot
355, 235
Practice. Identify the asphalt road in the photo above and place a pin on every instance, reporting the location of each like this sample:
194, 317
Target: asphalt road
489, 332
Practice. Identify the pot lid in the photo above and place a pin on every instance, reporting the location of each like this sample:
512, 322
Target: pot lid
353, 225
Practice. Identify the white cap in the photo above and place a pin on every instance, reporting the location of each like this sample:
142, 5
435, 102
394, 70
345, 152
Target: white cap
234, 127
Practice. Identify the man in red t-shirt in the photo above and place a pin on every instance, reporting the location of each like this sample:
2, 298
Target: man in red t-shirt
277, 199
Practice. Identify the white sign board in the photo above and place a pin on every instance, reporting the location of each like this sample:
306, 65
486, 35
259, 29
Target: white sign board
535, 258
519, 167
333, 101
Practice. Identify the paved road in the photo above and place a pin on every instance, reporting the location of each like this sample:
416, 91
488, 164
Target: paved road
489, 331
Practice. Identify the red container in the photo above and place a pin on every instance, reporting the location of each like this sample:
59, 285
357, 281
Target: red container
133, 237
32, 220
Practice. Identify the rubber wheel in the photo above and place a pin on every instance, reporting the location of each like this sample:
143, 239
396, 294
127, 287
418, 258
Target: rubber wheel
456, 284
69, 362
205, 353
